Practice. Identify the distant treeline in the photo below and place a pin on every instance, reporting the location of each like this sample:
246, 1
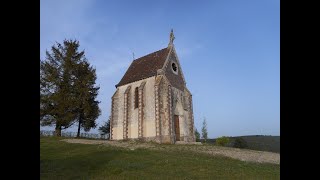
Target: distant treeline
257, 142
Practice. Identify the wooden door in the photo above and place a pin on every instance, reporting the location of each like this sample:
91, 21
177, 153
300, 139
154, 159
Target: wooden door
176, 127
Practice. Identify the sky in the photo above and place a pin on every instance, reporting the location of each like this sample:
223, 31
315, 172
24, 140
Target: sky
229, 52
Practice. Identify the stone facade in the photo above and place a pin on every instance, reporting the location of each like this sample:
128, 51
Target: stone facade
150, 108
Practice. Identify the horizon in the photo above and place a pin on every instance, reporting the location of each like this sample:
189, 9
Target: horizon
229, 53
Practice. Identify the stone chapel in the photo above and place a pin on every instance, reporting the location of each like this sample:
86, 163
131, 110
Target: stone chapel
152, 101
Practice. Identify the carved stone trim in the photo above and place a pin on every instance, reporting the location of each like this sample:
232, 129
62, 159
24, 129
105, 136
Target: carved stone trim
125, 116
191, 124
141, 110
112, 114
157, 113
170, 113
111, 119
160, 72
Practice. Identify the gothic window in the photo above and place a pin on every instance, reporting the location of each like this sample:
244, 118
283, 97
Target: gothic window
136, 98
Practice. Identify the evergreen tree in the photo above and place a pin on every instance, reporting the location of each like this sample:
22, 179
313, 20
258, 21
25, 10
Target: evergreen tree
197, 135
86, 91
106, 127
204, 130
61, 95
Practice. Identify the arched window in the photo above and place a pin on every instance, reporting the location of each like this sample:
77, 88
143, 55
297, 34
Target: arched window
136, 98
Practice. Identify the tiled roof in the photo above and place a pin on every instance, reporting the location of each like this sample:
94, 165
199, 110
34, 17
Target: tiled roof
144, 67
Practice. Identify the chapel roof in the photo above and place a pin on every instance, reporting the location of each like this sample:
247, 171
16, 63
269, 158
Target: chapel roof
145, 67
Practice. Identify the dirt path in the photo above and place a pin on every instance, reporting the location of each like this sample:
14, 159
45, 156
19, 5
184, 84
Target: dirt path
241, 154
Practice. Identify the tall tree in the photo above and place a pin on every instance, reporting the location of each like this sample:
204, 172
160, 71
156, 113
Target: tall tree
86, 91
59, 87
204, 130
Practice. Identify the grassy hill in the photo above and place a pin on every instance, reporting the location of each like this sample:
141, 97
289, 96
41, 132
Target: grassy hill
258, 142
62, 160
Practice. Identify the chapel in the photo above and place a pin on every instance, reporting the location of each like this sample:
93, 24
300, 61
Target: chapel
152, 102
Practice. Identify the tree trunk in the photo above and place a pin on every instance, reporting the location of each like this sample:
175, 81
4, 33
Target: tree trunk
58, 131
78, 134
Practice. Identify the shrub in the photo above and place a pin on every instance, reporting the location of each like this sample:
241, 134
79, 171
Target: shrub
222, 141
240, 143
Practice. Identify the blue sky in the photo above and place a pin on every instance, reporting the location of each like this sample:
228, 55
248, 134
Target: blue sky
229, 52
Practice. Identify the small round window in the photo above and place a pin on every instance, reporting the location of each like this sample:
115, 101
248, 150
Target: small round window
174, 68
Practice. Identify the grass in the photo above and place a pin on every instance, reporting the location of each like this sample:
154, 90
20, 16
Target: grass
61, 160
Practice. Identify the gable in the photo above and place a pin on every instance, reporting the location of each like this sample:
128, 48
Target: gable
175, 77
144, 67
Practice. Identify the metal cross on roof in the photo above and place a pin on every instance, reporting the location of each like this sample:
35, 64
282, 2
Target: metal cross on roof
171, 36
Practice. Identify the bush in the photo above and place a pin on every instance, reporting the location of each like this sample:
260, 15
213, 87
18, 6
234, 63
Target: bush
240, 143
222, 141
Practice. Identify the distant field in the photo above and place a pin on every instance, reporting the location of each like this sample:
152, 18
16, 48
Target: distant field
259, 142
62, 160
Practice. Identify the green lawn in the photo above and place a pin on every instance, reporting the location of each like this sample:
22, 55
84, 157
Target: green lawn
61, 160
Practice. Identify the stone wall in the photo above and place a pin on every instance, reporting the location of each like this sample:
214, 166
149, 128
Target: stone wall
114, 114
189, 113
172, 101
164, 111
176, 80
147, 113
179, 109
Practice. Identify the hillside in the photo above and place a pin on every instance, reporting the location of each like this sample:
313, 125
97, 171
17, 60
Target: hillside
63, 160
258, 142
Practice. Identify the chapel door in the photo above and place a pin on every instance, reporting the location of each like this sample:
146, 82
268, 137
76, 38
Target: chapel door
177, 128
